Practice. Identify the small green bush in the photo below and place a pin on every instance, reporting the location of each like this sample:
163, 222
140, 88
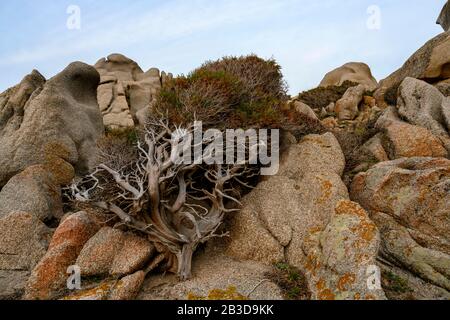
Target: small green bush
321, 97
291, 281
236, 92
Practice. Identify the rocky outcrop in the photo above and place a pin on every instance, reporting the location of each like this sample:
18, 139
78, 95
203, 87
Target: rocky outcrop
423, 105
24, 240
356, 72
280, 212
347, 108
126, 92
430, 63
55, 123
416, 127
444, 17
304, 109
49, 277
114, 252
304, 199
409, 201
339, 258
128, 287
36, 191
405, 140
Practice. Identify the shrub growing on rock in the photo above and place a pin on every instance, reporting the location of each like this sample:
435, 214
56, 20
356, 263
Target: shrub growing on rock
179, 206
238, 92
321, 97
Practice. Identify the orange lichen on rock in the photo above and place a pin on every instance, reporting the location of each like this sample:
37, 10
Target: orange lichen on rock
324, 293
346, 280
349, 207
218, 294
326, 186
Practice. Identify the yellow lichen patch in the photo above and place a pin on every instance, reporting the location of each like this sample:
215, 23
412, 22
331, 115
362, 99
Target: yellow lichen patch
350, 208
218, 294
320, 285
326, 187
312, 264
370, 297
315, 229
357, 296
324, 293
366, 231
98, 293
346, 280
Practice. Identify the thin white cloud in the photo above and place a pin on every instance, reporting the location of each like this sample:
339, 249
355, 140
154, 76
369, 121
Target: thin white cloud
171, 20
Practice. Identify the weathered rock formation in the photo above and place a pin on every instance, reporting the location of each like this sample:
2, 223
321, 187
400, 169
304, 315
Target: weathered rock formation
55, 123
24, 240
49, 278
347, 108
444, 17
430, 63
409, 201
306, 203
48, 133
356, 72
125, 93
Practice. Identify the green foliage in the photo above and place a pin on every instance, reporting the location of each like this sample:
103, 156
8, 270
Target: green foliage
321, 97
291, 281
128, 135
391, 95
282, 266
395, 283
219, 295
237, 92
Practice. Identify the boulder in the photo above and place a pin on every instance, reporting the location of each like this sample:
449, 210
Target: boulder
400, 284
123, 68
356, 72
303, 216
339, 257
48, 279
12, 283
98, 254
347, 107
418, 125
279, 213
35, 191
444, 87
128, 287
304, 109
409, 201
423, 105
444, 17
399, 246
118, 114
430, 63
114, 252
374, 147
136, 251
24, 240
54, 122
405, 140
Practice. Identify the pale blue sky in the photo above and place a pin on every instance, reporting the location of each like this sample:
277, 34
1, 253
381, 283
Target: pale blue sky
307, 37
